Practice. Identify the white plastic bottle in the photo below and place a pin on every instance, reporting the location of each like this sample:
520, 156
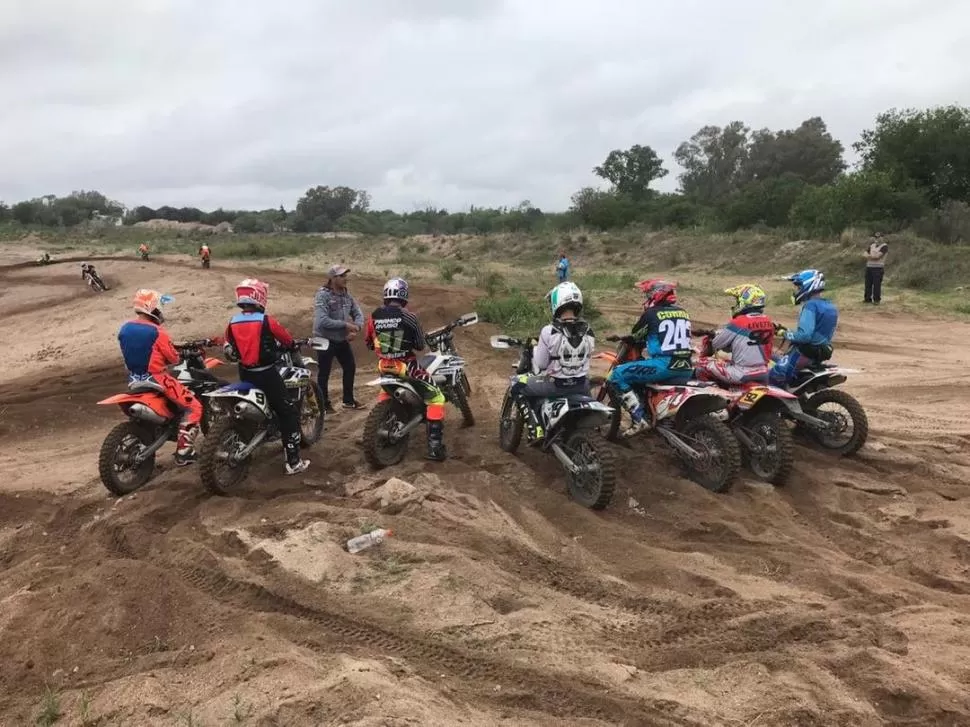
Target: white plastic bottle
355, 545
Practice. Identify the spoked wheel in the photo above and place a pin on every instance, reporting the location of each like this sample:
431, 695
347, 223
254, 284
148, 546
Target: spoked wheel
461, 401
311, 415
385, 420
119, 473
220, 474
510, 425
774, 454
720, 459
593, 483
849, 425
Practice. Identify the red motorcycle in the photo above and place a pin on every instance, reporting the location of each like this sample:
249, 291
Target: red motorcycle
127, 458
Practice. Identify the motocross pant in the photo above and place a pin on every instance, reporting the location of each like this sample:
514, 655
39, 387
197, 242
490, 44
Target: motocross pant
434, 399
270, 382
191, 407
784, 367
528, 390
647, 371
710, 368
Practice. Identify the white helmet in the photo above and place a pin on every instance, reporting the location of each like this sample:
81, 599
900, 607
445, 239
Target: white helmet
565, 294
396, 289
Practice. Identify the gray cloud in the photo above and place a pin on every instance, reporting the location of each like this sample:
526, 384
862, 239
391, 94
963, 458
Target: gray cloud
241, 103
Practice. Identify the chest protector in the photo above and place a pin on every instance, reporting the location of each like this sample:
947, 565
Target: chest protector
575, 347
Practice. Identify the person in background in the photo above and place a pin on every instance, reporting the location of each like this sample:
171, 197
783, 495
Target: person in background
875, 256
562, 267
338, 318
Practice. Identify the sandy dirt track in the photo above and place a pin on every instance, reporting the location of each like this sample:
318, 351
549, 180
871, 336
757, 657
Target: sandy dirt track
842, 599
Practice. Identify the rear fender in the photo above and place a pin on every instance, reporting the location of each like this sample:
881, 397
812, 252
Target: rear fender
156, 402
561, 412
687, 402
821, 380
211, 362
608, 356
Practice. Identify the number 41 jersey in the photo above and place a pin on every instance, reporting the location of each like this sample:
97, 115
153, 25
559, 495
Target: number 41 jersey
394, 333
666, 333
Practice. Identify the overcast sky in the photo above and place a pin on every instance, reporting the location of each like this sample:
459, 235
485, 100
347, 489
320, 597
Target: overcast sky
247, 103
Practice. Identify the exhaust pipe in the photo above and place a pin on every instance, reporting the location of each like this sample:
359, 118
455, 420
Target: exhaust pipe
245, 410
567, 462
677, 443
141, 411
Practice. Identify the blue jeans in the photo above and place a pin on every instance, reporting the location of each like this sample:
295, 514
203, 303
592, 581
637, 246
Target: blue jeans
647, 371
785, 367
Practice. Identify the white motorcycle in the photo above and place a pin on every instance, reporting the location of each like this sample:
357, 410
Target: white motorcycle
571, 426
400, 408
243, 419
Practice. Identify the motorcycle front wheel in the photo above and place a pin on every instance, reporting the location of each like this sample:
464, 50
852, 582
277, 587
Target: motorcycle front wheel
311, 415
118, 474
593, 485
510, 425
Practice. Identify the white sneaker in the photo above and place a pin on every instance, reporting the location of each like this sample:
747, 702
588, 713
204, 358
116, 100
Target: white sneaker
295, 469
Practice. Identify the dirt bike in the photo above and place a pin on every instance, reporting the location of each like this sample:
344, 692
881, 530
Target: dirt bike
144, 256
388, 427
757, 414
455, 386
205, 262
686, 417
95, 282
244, 419
813, 387
570, 424
130, 447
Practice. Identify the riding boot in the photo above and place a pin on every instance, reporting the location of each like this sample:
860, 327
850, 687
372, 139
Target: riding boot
533, 426
291, 453
436, 444
185, 444
632, 404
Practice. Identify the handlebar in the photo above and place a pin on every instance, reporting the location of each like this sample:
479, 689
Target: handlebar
198, 343
628, 340
432, 337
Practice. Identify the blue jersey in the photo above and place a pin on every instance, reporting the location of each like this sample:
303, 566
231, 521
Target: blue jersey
665, 333
816, 322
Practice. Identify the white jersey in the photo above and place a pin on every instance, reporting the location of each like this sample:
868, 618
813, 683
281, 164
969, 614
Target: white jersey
565, 350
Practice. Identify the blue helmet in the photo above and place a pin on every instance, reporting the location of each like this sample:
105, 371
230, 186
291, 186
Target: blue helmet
807, 283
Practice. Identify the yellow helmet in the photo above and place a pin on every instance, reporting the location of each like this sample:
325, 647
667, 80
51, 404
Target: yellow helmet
747, 297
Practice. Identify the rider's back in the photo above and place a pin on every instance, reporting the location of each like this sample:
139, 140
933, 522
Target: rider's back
396, 332
665, 329
750, 339
137, 339
566, 348
826, 317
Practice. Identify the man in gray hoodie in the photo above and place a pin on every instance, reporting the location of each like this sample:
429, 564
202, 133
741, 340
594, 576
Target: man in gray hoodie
338, 318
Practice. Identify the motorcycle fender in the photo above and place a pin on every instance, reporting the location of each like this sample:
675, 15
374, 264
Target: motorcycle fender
211, 362
608, 356
251, 396
156, 402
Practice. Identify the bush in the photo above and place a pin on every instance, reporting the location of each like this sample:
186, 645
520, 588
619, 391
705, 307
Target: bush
490, 281
516, 313
449, 270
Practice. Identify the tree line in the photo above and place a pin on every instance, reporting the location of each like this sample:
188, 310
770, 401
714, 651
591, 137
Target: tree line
914, 171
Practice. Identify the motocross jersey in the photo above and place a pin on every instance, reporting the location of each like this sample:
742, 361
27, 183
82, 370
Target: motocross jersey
253, 336
394, 333
816, 323
146, 347
565, 349
664, 332
749, 337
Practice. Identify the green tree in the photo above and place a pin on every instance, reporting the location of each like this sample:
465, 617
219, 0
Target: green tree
930, 148
603, 210
632, 171
808, 153
319, 209
713, 160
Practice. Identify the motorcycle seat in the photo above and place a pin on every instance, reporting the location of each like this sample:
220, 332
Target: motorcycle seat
143, 386
580, 399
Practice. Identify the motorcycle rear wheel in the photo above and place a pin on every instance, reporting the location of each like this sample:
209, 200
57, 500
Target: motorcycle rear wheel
586, 446
378, 450
775, 465
311, 415
220, 476
712, 434
123, 437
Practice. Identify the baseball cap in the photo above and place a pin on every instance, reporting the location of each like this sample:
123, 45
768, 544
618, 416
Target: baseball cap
336, 271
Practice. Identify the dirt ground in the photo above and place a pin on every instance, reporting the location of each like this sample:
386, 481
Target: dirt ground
842, 599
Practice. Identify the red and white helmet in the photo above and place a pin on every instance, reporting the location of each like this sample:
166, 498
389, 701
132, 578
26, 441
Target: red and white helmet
252, 292
657, 292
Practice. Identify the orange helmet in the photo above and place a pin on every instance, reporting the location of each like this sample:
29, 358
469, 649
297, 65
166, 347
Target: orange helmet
657, 292
149, 303
252, 292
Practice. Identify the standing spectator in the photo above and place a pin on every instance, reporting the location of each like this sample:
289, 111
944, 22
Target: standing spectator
337, 317
562, 267
875, 256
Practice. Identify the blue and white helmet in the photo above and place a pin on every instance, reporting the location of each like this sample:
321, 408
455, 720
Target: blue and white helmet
396, 289
807, 283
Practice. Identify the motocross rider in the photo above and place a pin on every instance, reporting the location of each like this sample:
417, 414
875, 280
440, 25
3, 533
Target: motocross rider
749, 337
253, 339
143, 249
204, 252
663, 334
395, 335
561, 355
147, 350
812, 341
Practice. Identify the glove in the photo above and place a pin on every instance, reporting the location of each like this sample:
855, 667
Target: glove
788, 335
230, 353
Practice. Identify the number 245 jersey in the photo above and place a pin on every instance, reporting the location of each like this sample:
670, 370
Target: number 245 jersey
666, 332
